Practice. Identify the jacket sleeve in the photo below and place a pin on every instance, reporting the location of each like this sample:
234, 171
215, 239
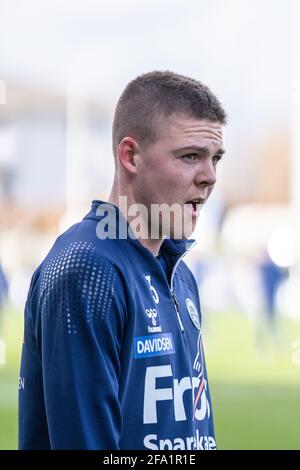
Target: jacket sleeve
81, 318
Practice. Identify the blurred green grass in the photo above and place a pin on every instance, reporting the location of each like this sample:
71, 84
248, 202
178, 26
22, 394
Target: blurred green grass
12, 333
255, 386
255, 391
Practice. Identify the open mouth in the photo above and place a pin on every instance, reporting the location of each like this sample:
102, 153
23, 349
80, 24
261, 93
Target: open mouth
195, 204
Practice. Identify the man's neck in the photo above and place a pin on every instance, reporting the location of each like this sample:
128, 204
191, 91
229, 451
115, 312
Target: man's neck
152, 245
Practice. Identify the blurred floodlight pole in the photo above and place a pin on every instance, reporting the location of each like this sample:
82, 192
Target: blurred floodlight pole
295, 160
76, 152
7, 162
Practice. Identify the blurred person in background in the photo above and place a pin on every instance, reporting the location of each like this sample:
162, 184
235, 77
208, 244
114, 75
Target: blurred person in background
113, 355
3, 286
3, 293
271, 277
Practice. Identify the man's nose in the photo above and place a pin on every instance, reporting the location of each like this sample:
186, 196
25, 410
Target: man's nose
206, 175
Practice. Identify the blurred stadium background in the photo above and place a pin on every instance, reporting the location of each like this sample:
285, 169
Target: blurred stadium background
62, 67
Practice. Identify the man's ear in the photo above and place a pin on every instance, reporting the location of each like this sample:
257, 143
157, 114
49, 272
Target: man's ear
128, 152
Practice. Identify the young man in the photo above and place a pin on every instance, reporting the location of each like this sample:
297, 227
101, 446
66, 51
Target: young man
112, 355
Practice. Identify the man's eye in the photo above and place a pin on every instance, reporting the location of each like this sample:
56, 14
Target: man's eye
217, 158
191, 157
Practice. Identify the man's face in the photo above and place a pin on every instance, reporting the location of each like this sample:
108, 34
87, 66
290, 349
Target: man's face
180, 168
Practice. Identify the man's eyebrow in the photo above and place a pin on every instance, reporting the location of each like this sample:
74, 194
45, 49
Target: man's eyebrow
199, 149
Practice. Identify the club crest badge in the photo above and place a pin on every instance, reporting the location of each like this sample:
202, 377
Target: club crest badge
193, 313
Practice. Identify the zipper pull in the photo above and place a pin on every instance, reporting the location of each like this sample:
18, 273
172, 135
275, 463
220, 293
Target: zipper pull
176, 304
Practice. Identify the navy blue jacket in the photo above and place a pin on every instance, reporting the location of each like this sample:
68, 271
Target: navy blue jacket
112, 355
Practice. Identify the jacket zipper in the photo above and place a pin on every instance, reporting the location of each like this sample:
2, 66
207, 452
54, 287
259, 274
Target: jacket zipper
175, 301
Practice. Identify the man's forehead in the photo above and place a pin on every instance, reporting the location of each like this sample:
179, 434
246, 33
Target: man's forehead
182, 128
190, 124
